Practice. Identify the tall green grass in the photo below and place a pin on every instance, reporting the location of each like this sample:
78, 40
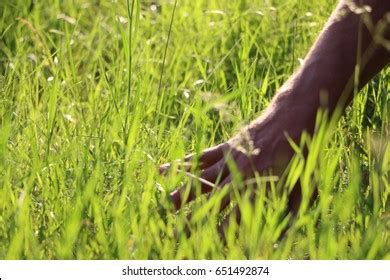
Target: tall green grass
93, 97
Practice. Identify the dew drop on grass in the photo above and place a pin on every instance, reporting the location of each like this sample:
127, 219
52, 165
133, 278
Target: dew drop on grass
216, 12
32, 57
69, 118
260, 13
122, 20
66, 18
186, 93
153, 8
198, 82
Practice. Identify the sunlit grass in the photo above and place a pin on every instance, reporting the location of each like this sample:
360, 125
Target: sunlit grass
87, 115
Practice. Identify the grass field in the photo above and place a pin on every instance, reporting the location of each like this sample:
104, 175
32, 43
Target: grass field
90, 107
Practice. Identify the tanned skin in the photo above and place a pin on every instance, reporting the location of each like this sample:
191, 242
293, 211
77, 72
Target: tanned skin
356, 33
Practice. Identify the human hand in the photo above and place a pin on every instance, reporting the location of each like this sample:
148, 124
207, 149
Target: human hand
260, 148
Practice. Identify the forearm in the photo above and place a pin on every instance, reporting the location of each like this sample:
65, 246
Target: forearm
328, 75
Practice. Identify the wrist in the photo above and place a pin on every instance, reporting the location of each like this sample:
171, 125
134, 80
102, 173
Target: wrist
294, 111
